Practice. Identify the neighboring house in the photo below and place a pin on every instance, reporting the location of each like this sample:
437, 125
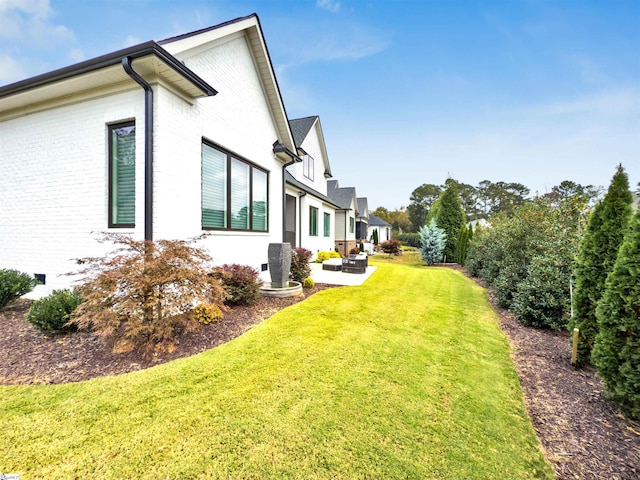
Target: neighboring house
481, 222
310, 218
362, 219
137, 142
345, 224
383, 228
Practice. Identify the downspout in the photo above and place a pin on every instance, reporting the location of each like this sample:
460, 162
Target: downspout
280, 148
300, 195
148, 147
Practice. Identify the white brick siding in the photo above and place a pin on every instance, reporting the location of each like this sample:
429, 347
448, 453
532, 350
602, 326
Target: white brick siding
54, 168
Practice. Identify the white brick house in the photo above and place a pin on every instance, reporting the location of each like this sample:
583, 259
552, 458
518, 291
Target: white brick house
310, 220
78, 156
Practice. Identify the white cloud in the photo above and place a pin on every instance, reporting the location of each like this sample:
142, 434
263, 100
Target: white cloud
130, 41
76, 55
329, 5
30, 22
10, 69
613, 103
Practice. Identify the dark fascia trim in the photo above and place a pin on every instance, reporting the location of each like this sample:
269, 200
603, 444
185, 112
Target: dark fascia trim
206, 29
110, 59
291, 180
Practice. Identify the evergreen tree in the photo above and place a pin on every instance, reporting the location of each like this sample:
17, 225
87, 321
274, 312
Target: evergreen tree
596, 257
616, 352
433, 240
450, 217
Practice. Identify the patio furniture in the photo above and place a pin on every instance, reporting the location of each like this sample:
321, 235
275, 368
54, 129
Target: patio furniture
355, 263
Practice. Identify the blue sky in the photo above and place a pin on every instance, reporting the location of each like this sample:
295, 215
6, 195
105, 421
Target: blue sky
408, 92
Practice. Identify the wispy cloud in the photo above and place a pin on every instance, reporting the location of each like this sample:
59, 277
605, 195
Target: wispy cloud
605, 104
130, 41
11, 69
76, 55
27, 27
330, 5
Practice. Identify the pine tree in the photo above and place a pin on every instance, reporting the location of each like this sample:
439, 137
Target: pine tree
616, 352
433, 240
596, 257
450, 217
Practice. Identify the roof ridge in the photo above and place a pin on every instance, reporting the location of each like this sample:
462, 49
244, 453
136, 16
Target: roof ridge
206, 29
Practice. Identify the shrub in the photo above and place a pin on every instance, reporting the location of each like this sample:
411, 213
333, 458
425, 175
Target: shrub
241, 283
300, 268
616, 352
308, 282
322, 256
391, 247
141, 295
51, 313
354, 251
409, 239
206, 313
433, 240
14, 284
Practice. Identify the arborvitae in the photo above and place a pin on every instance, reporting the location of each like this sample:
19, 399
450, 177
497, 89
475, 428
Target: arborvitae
616, 352
596, 256
451, 218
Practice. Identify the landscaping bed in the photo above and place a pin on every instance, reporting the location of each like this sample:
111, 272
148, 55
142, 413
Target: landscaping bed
28, 356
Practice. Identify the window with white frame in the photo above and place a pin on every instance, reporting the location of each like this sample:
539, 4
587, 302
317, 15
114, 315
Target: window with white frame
307, 166
234, 192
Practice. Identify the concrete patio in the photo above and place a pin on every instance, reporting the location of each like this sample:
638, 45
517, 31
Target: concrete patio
339, 278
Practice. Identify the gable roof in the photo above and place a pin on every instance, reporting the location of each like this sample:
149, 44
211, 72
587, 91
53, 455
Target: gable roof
149, 60
377, 222
342, 196
290, 179
300, 127
185, 45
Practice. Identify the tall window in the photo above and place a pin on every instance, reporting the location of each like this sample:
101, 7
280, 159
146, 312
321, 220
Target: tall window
352, 224
307, 166
234, 192
327, 224
313, 221
122, 175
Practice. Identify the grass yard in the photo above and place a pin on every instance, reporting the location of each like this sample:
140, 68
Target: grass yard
407, 376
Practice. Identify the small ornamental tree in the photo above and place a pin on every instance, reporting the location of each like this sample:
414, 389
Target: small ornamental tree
616, 351
141, 296
433, 241
300, 269
374, 236
391, 247
596, 257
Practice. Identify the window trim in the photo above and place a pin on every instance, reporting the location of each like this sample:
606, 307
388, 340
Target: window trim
230, 156
110, 128
327, 224
313, 225
308, 167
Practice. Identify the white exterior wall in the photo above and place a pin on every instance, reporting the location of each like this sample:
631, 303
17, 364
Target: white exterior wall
54, 184
239, 120
312, 146
384, 233
54, 169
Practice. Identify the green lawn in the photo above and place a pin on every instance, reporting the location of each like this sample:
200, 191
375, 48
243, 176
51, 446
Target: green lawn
407, 376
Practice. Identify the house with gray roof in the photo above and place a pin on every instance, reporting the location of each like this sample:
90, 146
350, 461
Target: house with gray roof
139, 142
381, 226
310, 213
346, 213
362, 219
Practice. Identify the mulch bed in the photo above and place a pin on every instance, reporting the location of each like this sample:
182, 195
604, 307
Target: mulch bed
27, 356
583, 434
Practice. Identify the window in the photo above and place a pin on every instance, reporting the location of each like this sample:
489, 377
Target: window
307, 166
234, 192
122, 175
352, 224
327, 224
313, 221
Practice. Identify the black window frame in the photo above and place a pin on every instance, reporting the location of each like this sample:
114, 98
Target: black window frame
230, 156
110, 129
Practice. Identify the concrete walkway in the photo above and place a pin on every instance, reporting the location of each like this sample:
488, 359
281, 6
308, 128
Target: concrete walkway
339, 278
